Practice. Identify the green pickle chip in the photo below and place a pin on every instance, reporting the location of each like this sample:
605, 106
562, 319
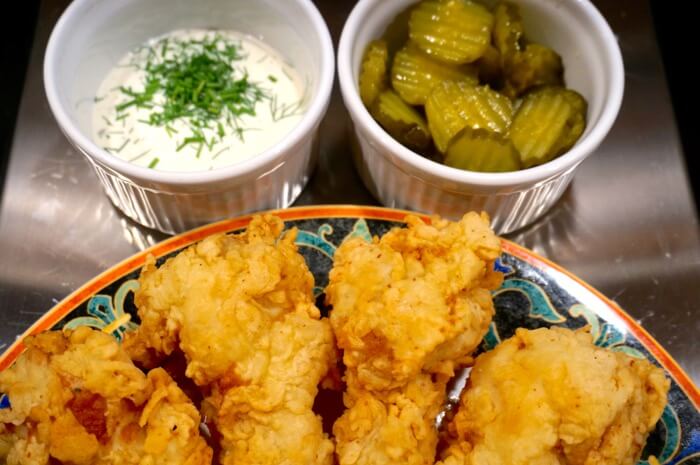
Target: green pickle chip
461, 84
477, 150
373, 72
402, 121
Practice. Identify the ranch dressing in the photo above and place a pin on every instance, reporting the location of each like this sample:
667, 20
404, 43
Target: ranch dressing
123, 118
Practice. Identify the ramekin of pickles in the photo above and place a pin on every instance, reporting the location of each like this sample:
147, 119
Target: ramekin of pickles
462, 84
470, 104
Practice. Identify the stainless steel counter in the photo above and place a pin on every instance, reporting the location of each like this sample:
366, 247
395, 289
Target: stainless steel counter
627, 224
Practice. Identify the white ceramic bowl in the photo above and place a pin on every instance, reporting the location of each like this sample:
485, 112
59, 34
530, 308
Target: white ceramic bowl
93, 35
401, 178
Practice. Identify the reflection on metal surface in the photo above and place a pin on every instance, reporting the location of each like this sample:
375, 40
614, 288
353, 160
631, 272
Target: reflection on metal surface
138, 236
626, 225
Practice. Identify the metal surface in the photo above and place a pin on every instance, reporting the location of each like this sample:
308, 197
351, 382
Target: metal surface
627, 224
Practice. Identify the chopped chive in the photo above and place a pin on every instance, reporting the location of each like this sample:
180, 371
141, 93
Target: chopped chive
272, 78
140, 155
123, 145
106, 120
170, 130
195, 81
216, 155
153, 162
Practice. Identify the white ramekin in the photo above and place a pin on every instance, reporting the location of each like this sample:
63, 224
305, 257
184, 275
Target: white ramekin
401, 178
91, 37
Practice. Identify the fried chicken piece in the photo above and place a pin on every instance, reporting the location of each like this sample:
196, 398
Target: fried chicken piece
386, 427
415, 300
408, 310
77, 398
549, 396
272, 422
241, 309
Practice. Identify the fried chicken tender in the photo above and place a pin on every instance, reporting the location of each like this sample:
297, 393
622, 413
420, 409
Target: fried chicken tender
415, 300
272, 422
408, 310
549, 396
77, 398
242, 311
386, 427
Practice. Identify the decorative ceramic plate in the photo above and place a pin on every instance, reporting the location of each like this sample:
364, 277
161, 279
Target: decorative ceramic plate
535, 293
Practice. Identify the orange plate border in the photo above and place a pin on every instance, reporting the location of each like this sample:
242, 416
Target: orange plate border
134, 262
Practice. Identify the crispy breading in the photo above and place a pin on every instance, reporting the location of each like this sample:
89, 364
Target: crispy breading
241, 309
395, 426
551, 396
415, 300
76, 397
272, 422
408, 310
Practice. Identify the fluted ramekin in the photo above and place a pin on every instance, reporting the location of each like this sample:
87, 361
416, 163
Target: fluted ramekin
401, 178
91, 37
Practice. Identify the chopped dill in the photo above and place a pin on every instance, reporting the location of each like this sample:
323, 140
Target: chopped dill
118, 149
271, 78
154, 162
123, 145
216, 155
279, 111
140, 155
194, 81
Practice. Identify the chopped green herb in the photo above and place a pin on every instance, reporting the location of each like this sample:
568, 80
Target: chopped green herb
194, 81
140, 155
285, 110
117, 149
216, 155
123, 145
153, 162
272, 78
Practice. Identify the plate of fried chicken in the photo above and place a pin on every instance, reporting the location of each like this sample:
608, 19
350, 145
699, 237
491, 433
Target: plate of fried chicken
348, 335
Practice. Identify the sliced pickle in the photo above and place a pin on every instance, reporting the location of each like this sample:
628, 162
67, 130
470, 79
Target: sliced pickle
508, 34
576, 124
414, 74
489, 68
548, 123
401, 121
478, 150
396, 33
373, 72
455, 105
535, 66
453, 31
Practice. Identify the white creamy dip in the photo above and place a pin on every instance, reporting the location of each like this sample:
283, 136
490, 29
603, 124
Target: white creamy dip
123, 122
